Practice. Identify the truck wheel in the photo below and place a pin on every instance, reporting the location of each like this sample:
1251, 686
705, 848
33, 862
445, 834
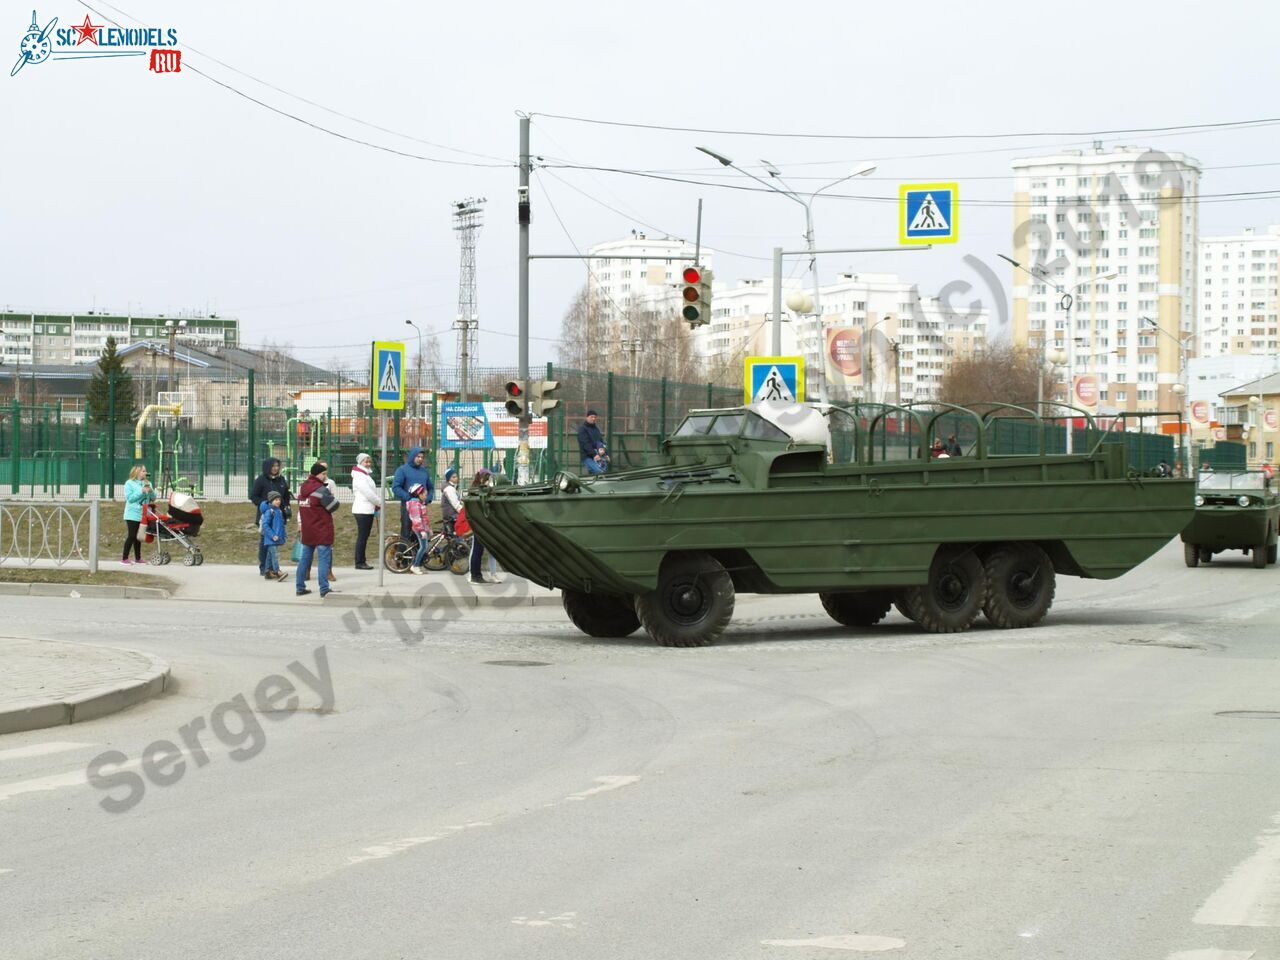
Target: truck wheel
902, 605
1191, 555
601, 614
693, 603
1020, 586
1259, 556
863, 608
1206, 555
954, 595
1271, 553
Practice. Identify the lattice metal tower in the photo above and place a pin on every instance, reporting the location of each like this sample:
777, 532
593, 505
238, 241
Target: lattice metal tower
468, 217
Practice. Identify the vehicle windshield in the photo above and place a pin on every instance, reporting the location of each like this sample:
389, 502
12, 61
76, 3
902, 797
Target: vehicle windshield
1217, 480
747, 423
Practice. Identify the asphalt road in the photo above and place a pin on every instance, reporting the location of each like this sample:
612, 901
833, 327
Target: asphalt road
510, 788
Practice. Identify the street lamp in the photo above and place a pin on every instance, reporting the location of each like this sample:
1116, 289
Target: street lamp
774, 173
173, 327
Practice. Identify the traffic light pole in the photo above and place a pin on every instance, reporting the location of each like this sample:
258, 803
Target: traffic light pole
523, 215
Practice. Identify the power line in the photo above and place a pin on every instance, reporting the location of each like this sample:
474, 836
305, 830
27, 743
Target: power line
1222, 125
310, 123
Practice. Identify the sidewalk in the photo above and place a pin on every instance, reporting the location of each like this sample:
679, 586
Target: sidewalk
241, 583
47, 683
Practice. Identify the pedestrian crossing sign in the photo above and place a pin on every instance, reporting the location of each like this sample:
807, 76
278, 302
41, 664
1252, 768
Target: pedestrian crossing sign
386, 375
774, 379
928, 213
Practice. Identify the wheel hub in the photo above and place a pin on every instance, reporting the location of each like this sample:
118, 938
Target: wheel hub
952, 590
687, 602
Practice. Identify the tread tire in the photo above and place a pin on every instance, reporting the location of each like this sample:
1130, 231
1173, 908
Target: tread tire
702, 584
1271, 553
1206, 555
1191, 555
604, 615
952, 570
902, 606
1260, 556
860, 608
1014, 605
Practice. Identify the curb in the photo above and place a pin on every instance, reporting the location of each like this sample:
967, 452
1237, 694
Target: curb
39, 714
396, 600
96, 591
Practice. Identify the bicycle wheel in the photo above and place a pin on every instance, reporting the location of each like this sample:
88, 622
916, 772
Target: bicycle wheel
397, 556
435, 559
460, 556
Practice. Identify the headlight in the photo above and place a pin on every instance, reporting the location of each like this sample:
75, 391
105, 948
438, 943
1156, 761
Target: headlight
1199, 500
564, 484
1243, 501
568, 484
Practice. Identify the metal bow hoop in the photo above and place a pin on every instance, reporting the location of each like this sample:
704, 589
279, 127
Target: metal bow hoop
29, 533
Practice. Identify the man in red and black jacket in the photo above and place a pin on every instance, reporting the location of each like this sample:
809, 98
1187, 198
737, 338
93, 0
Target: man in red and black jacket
316, 506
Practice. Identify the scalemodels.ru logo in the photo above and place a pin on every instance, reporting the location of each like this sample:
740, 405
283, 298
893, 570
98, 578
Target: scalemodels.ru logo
92, 41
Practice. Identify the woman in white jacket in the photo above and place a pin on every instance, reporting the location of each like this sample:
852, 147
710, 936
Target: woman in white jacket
365, 506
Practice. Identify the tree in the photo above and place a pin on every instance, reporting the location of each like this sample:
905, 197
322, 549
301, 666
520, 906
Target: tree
98, 398
1002, 374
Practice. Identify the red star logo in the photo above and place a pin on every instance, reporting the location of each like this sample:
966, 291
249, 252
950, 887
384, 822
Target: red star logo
87, 31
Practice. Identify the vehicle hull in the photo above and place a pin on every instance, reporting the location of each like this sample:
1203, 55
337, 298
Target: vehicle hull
1218, 527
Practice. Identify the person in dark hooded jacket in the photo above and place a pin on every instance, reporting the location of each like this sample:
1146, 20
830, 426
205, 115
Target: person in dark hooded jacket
270, 479
413, 470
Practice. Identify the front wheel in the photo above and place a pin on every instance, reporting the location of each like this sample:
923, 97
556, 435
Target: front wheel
1271, 553
1020, 586
953, 597
863, 608
395, 556
1191, 555
693, 603
605, 615
1259, 556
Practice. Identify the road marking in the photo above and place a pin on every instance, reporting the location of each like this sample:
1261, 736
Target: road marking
40, 749
606, 784
1212, 953
565, 920
6, 870
1250, 896
843, 941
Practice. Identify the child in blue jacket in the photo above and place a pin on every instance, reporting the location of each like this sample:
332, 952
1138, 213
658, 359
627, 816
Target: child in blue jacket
271, 522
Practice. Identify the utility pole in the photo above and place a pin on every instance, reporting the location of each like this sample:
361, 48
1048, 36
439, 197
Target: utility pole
523, 215
172, 326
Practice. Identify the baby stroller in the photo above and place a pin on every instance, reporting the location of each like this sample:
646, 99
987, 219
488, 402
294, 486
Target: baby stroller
178, 526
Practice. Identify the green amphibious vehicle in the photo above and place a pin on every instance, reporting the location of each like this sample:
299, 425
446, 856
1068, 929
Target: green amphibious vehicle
853, 504
1235, 510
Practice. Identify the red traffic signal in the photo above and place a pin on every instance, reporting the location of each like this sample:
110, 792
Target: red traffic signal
514, 389
692, 275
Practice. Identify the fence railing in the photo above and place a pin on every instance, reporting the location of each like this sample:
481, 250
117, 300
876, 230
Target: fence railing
57, 533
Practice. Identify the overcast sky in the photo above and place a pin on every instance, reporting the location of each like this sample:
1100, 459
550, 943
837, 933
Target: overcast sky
167, 192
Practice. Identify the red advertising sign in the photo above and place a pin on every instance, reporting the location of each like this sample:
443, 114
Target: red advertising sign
1271, 419
1085, 390
844, 353
1200, 411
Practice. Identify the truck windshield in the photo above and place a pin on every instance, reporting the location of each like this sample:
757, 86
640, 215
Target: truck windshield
1231, 481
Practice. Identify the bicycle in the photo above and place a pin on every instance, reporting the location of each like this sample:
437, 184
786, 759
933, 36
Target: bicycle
442, 551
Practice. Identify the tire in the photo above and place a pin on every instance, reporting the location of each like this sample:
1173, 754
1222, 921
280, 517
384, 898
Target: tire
189, 560
1259, 556
1271, 553
436, 557
954, 596
862, 608
900, 604
1191, 555
165, 558
693, 603
605, 615
1206, 555
1020, 585
394, 557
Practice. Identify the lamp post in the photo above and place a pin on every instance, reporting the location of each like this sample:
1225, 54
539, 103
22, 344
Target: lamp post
410, 323
774, 173
173, 327
1182, 387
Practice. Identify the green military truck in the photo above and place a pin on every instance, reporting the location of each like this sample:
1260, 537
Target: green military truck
1235, 510
852, 504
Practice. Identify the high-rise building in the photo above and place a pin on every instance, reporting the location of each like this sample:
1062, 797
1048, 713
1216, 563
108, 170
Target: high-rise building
913, 339
1239, 293
638, 273
1117, 232
42, 338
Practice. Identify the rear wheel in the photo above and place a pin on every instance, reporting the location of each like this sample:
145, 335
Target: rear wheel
1259, 556
1191, 555
1020, 586
693, 603
902, 606
435, 558
863, 608
601, 614
1271, 553
954, 595
1206, 555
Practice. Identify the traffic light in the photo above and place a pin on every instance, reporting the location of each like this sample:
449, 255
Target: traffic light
695, 296
540, 396
515, 397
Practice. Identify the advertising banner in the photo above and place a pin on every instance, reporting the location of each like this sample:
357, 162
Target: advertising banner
844, 356
1084, 392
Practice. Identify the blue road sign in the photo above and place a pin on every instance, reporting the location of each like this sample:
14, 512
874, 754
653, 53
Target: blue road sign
779, 379
928, 213
386, 373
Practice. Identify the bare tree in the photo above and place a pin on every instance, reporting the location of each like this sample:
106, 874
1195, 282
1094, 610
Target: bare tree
1003, 374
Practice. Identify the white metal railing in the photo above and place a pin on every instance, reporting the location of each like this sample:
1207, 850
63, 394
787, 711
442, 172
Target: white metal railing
60, 533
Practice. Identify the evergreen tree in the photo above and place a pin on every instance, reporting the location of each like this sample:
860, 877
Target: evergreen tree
98, 398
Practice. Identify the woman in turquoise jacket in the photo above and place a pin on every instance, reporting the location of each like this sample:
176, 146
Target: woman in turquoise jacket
137, 491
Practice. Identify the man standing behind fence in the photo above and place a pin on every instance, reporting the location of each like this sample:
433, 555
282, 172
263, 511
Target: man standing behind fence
591, 445
270, 479
413, 470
